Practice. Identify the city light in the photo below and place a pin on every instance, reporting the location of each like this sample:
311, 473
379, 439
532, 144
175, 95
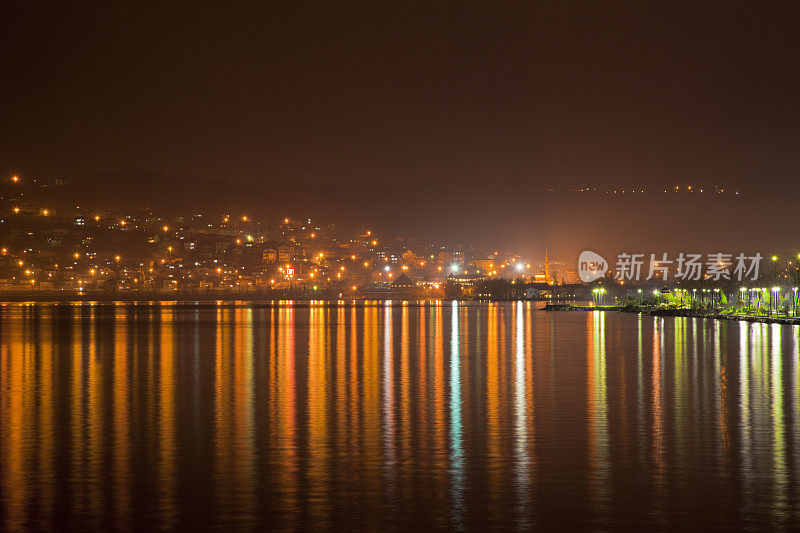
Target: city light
242, 371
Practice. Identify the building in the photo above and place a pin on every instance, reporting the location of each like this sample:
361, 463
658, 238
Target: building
484, 264
465, 280
402, 283
543, 276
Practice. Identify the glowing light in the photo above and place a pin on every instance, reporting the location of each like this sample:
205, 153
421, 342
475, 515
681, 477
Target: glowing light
165, 228
15, 178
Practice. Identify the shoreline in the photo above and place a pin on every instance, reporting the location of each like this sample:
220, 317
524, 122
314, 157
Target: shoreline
678, 313
195, 301
264, 301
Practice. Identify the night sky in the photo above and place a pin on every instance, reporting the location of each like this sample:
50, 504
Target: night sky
556, 94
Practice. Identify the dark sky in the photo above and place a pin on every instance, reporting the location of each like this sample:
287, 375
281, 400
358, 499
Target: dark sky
527, 93
572, 92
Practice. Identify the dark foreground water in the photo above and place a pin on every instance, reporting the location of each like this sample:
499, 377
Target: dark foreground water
164, 416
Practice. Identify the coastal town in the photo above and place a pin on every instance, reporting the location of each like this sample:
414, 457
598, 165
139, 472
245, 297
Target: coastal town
80, 251
73, 251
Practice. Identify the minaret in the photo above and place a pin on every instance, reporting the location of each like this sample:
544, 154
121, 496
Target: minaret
546, 266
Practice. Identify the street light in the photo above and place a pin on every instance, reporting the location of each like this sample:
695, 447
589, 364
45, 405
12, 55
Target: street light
775, 297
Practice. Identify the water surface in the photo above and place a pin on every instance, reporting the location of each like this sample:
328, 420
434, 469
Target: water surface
120, 416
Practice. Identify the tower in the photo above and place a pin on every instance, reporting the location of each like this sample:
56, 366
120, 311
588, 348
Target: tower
546, 266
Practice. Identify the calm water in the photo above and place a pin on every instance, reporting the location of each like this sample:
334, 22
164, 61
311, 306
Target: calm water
165, 416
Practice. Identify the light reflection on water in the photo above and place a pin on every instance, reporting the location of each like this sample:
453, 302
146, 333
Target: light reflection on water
467, 417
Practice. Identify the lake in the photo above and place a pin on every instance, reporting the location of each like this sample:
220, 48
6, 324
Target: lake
449, 416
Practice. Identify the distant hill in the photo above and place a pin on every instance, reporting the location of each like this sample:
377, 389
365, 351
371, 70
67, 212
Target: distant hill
482, 212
